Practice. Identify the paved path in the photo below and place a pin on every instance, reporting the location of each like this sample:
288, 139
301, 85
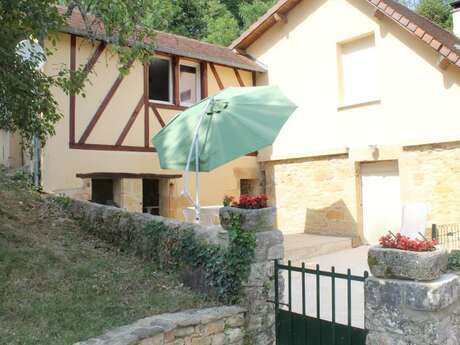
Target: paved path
356, 260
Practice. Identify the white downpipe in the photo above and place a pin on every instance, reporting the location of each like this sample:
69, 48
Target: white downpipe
195, 146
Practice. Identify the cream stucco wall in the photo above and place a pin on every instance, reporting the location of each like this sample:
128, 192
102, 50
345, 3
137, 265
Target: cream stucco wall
418, 101
10, 150
61, 164
312, 170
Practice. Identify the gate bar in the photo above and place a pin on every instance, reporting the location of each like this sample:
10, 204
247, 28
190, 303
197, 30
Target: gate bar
304, 302
277, 328
318, 301
333, 303
322, 273
349, 306
290, 303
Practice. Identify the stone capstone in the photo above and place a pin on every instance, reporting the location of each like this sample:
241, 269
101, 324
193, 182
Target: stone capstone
256, 220
404, 264
410, 312
211, 326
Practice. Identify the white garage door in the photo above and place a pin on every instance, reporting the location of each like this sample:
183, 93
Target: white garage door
381, 198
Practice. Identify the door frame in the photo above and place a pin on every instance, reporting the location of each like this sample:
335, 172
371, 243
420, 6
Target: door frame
359, 192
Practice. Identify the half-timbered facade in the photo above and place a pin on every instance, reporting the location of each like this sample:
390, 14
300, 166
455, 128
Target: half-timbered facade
102, 149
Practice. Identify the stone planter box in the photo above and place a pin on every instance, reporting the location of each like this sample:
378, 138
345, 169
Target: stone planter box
403, 264
256, 220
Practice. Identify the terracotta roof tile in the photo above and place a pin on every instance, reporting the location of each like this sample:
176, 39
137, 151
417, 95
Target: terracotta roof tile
422, 28
174, 44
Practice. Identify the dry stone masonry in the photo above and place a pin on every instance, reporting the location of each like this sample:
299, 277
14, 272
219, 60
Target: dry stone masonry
211, 326
402, 310
118, 225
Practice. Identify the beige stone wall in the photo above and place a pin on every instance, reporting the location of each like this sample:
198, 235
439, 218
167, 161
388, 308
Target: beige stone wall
127, 193
314, 195
322, 194
431, 174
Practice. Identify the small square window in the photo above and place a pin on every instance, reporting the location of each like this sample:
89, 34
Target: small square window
189, 88
358, 71
160, 80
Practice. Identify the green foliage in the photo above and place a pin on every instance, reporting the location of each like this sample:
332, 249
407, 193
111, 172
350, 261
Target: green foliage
60, 285
215, 21
438, 11
454, 260
221, 25
225, 269
27, 105
62, 201
249, 12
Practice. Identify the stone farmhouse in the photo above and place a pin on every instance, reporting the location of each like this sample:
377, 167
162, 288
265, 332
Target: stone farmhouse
378, 123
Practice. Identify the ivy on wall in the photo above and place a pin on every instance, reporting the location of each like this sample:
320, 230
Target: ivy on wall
225, 268
177, 248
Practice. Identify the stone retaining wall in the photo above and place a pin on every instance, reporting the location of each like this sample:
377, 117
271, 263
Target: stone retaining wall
210, 326
260, 317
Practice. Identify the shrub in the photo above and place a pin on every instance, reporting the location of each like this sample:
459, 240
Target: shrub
454, 260
401, 242
247, 201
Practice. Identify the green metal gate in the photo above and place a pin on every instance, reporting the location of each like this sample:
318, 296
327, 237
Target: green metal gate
302, 328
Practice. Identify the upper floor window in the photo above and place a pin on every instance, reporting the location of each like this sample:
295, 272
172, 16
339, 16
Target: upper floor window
358, 71
160, 80
189, 83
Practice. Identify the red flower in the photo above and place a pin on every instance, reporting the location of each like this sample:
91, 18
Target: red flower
251, 201
401, 242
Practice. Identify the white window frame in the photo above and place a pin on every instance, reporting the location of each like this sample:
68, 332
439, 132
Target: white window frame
197, 80
171, 81
342, 102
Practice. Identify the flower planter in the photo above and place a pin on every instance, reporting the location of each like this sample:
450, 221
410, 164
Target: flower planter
256, 220
404, 264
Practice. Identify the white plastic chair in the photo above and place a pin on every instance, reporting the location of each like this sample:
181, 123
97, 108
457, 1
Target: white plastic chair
414, 220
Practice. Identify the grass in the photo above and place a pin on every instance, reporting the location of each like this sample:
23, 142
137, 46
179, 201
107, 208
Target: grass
60, 285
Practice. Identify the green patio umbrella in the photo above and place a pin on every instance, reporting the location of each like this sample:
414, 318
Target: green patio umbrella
221, 128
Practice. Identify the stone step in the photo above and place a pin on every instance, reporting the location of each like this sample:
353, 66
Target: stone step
301, 247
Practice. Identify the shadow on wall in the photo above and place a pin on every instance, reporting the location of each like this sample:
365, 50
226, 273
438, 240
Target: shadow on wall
334, 220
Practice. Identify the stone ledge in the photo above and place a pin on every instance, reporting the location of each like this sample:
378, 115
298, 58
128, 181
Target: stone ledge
421, 296
218, 322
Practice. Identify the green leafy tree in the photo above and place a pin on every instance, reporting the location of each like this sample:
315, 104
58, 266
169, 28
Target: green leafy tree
251, 11
438, 11
221, 26
26, 102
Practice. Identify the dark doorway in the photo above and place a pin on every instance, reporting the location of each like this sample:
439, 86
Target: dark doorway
151, 196
102, 191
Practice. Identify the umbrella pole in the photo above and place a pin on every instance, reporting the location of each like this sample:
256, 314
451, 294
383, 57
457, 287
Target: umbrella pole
195, 147
197, 180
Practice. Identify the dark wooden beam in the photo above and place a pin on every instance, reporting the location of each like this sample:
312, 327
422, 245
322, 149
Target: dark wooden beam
443, 62
73, 61
204, 79
238, 77
216, 76
254, 79
146, 105
102, 106
126, 175
130, 122
157, 115
103, 147
280, 17
378, 14
93, 59
176, 78
159, 105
